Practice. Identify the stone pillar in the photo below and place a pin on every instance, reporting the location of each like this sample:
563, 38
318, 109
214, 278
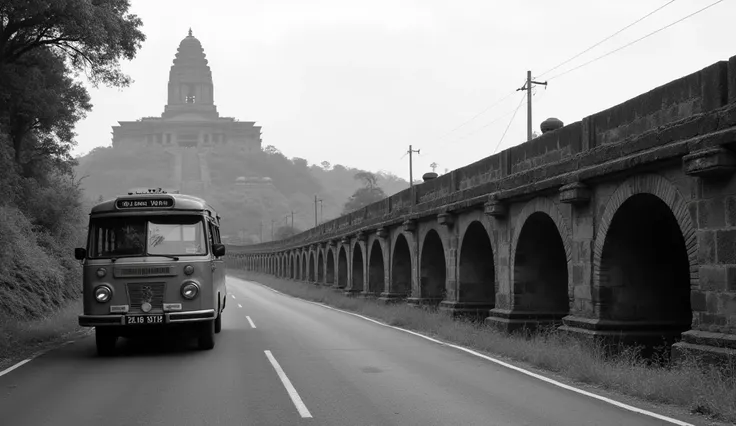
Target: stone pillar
584, 308
713, 295
499, 316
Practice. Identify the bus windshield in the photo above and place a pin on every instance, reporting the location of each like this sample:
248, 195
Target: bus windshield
148, 236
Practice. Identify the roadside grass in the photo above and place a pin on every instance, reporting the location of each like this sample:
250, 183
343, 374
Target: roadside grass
700, 388
20, 339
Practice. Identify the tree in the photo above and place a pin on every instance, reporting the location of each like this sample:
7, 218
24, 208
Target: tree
92, 35
271, 150
39, 99
369, 194
369, 179
300, 162
326, 165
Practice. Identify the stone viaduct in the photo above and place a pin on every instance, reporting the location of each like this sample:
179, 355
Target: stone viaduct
622, 224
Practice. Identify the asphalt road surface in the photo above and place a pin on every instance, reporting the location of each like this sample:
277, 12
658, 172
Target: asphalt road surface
282, 361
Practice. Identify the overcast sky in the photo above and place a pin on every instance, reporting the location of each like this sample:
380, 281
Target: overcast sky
355, 82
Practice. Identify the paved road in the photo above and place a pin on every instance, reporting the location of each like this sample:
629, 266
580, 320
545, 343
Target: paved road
343, 371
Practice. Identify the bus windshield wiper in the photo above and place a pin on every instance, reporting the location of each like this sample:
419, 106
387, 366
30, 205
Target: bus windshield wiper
165, 255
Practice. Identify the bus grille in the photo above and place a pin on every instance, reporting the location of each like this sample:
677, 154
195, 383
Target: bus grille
153, 293
144, 271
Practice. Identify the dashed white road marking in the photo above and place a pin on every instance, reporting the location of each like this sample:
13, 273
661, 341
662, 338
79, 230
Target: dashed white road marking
298, 403
43, 352
251, 322
232, 295
497, 361
239, 305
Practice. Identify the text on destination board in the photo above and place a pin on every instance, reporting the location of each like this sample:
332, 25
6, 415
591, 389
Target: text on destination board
145, 203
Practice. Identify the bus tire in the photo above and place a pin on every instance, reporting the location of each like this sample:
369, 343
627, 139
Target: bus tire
105, 341
218, 323
207, 335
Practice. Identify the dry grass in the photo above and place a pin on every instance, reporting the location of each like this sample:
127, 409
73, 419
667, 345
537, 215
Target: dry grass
700, 388
20, 339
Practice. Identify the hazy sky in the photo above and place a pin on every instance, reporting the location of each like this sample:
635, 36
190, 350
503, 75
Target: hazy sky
356, 82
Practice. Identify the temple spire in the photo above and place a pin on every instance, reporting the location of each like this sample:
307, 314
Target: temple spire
190, 31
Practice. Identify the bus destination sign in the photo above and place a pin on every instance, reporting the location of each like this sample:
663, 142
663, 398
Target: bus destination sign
145, 203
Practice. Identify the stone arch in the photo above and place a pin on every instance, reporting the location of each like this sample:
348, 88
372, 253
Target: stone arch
357, 267
476, 266
433, 268
401, 260
660, 244
330, 270
541, 261
376, 270
320, 266
342, 267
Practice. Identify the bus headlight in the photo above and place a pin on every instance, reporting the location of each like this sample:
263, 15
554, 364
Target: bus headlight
101, 273
189, 290
103, 294
189, 269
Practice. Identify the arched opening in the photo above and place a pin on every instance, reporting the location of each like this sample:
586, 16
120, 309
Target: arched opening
401, 267
310, 267
644, 272
540, 269
357, 268
342, 268
433, 270
477, 276
330, 279
376, 271
321, 268
293, 267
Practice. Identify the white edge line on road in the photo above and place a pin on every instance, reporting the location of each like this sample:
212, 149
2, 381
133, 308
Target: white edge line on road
298, 403
251, 322
43, 352
497, 361
233, 296
9, 369
239, 305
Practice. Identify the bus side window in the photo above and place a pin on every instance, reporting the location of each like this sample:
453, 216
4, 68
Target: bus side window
212, 234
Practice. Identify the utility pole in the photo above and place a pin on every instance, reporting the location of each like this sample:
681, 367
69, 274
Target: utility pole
411, 167
528, 88
321, 210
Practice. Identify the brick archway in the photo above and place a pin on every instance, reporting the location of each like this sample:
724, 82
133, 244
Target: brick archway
664, 190
543, 205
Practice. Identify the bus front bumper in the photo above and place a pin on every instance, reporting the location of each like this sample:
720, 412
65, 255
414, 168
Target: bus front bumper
168, 318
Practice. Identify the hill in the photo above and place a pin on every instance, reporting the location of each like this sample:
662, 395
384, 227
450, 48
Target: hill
251, 190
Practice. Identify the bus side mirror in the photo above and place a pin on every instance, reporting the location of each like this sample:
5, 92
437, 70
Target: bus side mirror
218, 249
80, 253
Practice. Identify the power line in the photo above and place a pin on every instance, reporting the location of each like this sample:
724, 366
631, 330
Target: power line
559, 65
521, 101
480, 113
635, 41
610, 37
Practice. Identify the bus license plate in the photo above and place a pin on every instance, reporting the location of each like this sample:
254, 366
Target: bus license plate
144, 319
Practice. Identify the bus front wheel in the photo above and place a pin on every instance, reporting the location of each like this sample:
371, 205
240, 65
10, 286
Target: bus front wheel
105, 341
218, 323
207, 335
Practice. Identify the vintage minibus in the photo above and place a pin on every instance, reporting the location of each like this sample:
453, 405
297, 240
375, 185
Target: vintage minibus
154, 263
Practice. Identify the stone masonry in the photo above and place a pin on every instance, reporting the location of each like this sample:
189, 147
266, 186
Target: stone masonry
622, 225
